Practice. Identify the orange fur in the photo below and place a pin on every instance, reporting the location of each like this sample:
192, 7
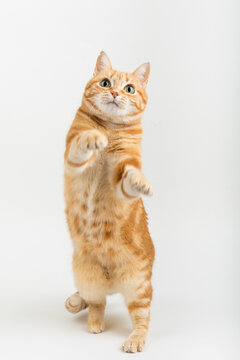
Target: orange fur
113, 251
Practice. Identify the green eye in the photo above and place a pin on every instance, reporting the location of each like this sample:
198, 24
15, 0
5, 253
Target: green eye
105, 83
129, 89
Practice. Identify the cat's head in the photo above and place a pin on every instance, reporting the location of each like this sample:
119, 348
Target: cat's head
117, 96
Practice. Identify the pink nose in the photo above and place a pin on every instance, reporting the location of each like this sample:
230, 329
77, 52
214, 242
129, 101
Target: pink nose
114, 93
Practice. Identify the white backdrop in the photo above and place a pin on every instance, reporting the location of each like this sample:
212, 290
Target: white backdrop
191, 130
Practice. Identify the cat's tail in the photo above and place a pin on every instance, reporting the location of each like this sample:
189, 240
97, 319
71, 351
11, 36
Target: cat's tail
75, 303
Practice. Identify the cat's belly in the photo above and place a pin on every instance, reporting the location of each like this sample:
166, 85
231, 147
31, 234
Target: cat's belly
94, 214
96, 277
102, 260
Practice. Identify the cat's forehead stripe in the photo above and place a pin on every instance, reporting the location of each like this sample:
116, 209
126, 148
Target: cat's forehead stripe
120, 76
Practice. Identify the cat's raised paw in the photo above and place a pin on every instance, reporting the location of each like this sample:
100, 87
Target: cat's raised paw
135, 184
92, 140
75, 303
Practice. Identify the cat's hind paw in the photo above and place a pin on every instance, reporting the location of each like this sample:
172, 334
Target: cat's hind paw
96, 327
133, 345
75, 303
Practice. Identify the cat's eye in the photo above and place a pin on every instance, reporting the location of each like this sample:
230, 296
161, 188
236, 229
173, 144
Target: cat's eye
129, 89
105, 83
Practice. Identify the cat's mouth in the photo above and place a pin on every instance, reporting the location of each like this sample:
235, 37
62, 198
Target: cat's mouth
113, 102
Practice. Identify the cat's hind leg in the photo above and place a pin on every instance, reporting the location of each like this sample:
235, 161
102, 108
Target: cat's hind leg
96, 316
75, 303
139, 309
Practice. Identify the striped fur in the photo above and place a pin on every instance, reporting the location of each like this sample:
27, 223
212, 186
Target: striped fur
113, 251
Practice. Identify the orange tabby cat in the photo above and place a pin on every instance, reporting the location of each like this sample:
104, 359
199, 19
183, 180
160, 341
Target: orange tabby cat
113, 251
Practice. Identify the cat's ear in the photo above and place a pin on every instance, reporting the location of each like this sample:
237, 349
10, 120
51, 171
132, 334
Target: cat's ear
103, 63
142, 74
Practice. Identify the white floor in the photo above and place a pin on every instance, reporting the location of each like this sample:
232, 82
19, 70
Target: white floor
38, 327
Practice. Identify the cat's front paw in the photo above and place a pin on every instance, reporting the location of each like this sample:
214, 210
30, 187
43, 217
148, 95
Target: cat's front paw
135, 184
92, 140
